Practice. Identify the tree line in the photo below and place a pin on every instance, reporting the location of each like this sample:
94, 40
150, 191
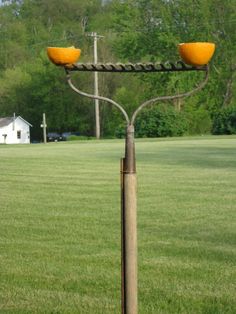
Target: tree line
134, 31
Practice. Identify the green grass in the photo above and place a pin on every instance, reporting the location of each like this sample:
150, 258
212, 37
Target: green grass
60, 226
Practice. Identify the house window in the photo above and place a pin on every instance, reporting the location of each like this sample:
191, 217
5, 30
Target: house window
18, 134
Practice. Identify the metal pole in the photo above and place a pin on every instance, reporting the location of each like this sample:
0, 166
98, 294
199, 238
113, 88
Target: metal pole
129, 228
97, 114
44, 129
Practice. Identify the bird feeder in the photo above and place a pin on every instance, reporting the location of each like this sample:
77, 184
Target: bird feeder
196, 57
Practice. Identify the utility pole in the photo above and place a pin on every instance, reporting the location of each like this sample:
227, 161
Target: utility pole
44, 126
95, 37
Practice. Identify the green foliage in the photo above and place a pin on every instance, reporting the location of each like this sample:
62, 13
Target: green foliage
161, 121
135, 31
79, 138
224, 121
199, 121
154, 32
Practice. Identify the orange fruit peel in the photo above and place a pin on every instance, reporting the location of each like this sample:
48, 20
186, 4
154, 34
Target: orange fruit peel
197, 54
63, 56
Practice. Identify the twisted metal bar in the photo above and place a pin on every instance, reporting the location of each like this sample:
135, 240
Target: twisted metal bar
167, 98
97, 97
137, 67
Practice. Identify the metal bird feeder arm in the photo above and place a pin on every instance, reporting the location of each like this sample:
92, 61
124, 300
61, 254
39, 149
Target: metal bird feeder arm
128, 168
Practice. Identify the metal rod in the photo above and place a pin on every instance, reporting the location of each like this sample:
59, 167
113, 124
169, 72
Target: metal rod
137, 67
168, 98
98, 97
130, 164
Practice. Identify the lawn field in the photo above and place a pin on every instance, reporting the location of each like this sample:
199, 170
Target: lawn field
60, 226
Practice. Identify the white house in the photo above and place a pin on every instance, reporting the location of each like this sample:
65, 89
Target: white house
14, 130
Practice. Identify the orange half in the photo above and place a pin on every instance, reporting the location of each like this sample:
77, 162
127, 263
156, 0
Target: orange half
63, 56
199, 53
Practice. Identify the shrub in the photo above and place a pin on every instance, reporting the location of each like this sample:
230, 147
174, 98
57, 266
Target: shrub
161, 121
199, 121
120, 131
224, 121
79, 138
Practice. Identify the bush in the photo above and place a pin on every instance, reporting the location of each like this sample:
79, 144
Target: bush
79, 138
224, 121
120, 131
161, 121
199, 121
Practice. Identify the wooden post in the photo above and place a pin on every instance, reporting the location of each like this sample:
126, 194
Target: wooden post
44, 126
129, 228
122, 161
130, 258
44, 129
95, 37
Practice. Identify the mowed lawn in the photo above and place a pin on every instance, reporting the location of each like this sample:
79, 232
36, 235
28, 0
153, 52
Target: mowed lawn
60, 226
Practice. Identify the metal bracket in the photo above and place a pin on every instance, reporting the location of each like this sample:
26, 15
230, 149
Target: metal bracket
127, 68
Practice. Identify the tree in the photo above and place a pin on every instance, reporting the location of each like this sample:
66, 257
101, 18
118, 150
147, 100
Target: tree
135, 30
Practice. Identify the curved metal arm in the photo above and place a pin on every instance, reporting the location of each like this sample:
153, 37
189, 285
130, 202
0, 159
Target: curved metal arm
145, 104
97, 97
165, 98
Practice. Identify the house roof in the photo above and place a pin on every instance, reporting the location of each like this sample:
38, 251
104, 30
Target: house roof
7, 120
